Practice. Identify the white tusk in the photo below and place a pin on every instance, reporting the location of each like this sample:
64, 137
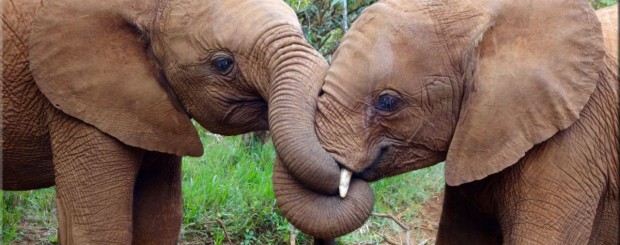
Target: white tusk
345, 179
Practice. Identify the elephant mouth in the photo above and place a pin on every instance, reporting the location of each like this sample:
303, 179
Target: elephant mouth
370, 174
247, 115
395, 160
366, 172
258, 108
389, 160
259, 105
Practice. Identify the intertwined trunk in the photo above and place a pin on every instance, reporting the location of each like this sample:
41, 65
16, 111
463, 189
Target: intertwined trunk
306, 177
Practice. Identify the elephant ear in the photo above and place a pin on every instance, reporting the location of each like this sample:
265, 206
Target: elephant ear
533, 71
609, 24
90, 60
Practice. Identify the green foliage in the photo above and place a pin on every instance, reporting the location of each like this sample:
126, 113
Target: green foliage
597, 4
230, 187
322, 21
29, 216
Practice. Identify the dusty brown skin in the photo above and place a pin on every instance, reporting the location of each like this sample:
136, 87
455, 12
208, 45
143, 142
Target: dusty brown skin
520, 98
97, 98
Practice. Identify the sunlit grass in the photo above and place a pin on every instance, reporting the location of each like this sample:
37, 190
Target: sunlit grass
230, 187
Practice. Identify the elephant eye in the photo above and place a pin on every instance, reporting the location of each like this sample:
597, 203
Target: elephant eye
224, 65
387, 103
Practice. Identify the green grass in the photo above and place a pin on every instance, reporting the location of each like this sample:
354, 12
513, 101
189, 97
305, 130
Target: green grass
229, 187
28, 216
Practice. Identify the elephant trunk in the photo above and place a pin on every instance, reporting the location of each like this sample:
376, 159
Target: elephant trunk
297, 75
318, 215
306, 177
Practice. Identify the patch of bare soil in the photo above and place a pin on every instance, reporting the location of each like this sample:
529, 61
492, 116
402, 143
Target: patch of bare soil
36, 233
428, 219
423, 227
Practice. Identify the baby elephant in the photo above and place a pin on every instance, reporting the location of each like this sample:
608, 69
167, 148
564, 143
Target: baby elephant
97, 98
519, 98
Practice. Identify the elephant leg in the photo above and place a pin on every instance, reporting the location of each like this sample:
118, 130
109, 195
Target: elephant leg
460, 223
95, 177
157, 203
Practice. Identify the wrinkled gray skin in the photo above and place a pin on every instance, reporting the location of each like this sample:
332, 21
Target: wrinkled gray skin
97, 98
520, 98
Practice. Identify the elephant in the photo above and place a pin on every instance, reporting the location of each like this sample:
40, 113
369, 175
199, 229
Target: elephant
519, 98
98, 98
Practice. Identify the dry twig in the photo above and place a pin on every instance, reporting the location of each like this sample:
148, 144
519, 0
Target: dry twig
293, 236
389, 216
390, 241
400, 223
219, 221
425, 228
424, 242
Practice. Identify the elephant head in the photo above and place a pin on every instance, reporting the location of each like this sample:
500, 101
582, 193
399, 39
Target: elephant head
475, 83
139, 70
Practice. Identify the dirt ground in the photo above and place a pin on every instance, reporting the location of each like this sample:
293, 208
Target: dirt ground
429, 219
423, 228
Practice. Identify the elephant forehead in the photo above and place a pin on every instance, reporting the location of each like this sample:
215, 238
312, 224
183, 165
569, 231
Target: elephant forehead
386, 50
195, 27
